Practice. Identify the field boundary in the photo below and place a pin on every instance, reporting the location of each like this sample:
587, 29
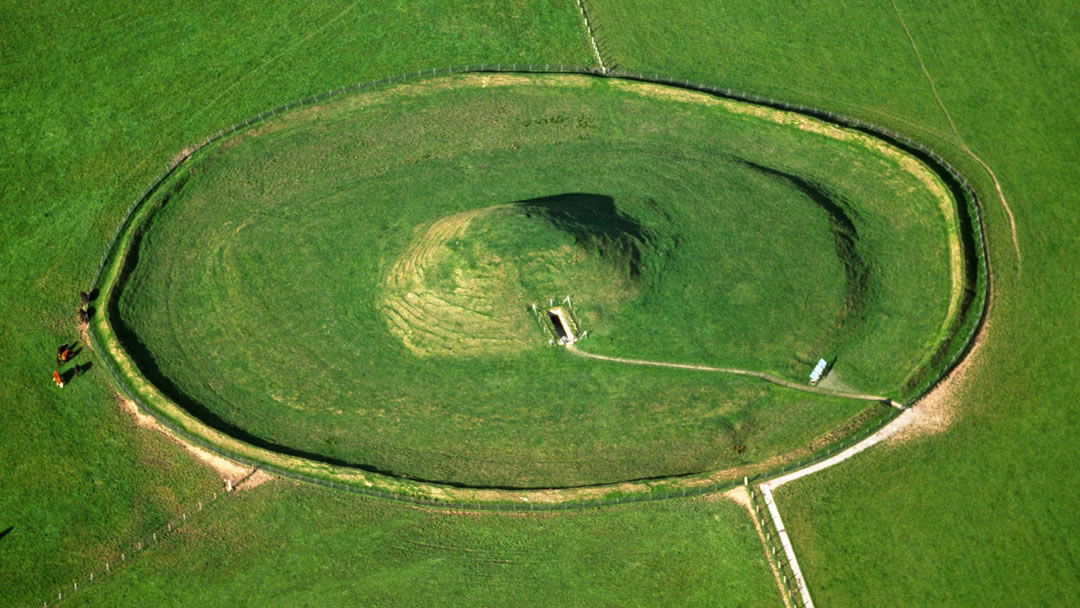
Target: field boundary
765, 489
778, 547
963, 144
128, 551
592, 36
969, 322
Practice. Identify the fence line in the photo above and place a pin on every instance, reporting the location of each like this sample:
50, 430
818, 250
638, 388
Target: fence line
130, 550
787, 569
497, 506
972, 203
592, 37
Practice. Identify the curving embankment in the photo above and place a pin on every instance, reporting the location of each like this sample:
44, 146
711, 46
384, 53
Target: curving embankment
126, 371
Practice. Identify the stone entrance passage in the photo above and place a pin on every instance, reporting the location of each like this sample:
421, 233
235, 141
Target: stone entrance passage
562, 324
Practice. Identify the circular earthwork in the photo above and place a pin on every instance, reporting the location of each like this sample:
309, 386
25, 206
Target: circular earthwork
365, 283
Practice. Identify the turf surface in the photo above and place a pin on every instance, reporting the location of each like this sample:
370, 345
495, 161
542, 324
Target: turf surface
982, 514
99, 97
302, 546
353, 282
97, 100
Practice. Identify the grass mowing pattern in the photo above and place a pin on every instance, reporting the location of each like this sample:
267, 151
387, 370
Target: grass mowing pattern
666, 40
987, 525
375, 553
983, 514
97, 99
776, 57
85, 131
387, 161
461, 286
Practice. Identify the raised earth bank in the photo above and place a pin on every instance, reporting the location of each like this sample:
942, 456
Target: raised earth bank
352, 285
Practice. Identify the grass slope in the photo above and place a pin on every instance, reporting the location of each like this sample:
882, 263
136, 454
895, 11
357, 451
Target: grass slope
778, 54
97, 99
265, 287
1000, 488
982, 514
302, 546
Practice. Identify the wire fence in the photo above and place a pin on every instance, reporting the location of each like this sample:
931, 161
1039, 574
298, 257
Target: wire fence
128, 551
592, 36
775, 549
512, 506
613, 497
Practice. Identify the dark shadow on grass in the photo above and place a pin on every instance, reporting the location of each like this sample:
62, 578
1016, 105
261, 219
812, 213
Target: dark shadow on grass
846, 238
147, 364
596, 223
76, 370
857, 270
969, 227
6, 532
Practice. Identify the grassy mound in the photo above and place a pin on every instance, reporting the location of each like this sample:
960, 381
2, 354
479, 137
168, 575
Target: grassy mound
463, 283
353, 282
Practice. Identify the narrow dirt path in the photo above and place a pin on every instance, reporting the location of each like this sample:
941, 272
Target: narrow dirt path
741, 496
734, 370
921, 416
897, 425
900, 423
225, 90
963, 144
914, 420
789, 551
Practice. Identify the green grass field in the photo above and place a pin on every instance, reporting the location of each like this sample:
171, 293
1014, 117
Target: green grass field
353, 282
374, 553
98, 98
982, 514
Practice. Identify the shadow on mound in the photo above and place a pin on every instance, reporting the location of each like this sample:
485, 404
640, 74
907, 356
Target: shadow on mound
846, 238
596, 224
568, 208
